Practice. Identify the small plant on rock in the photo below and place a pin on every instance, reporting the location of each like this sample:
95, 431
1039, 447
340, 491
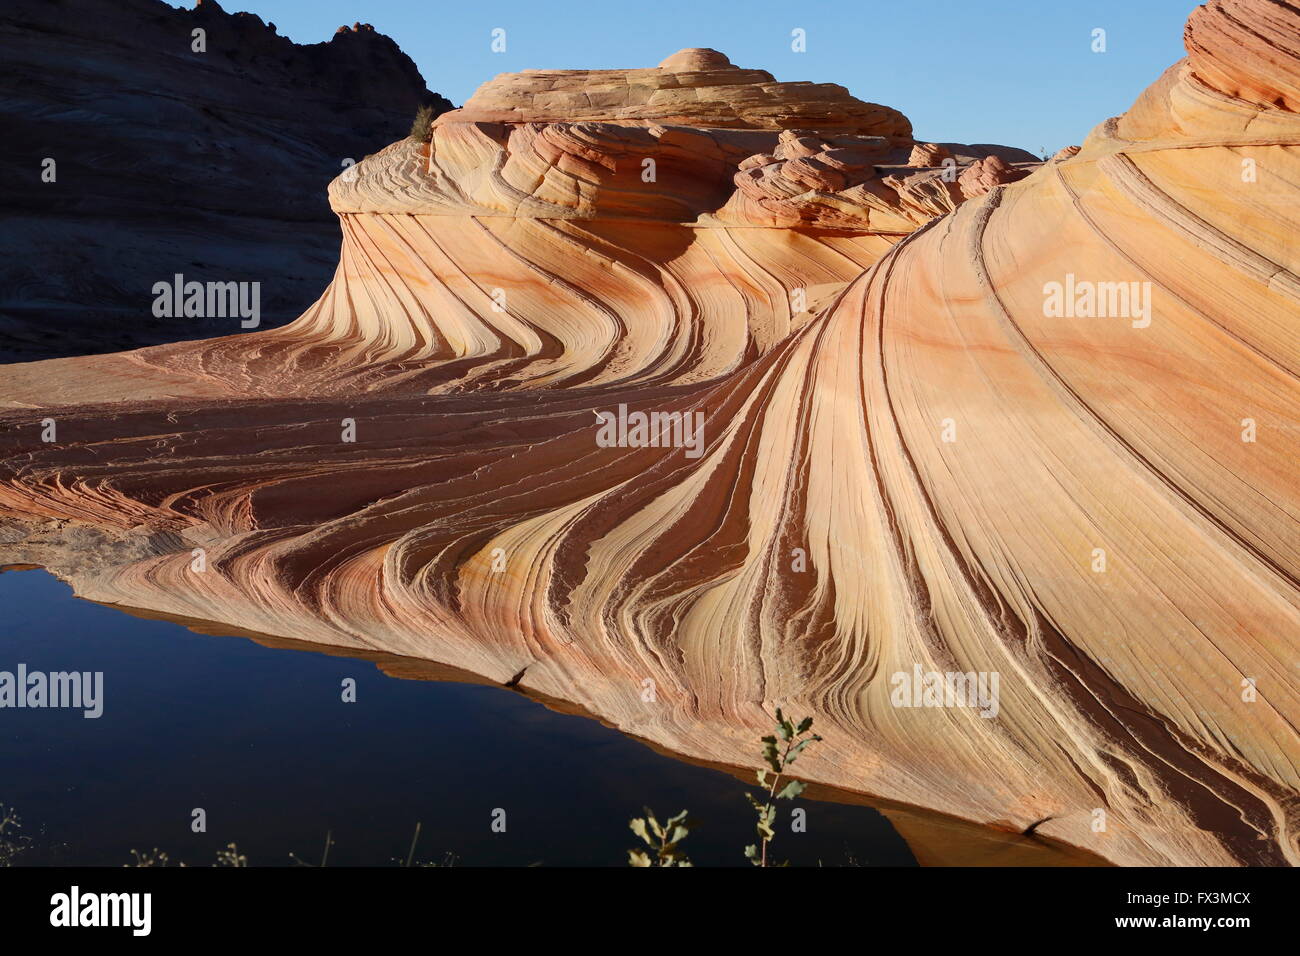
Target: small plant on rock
12, 843
422, 125
779, 751
663, 839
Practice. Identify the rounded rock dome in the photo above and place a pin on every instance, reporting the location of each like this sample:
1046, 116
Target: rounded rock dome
696, 60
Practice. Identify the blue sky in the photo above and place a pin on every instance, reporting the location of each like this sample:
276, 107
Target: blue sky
1016, 72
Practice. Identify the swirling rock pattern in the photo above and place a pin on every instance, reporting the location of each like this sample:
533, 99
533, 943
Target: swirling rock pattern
523, 255
929, 468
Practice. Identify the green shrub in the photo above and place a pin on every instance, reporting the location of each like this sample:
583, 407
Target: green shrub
778, 758
663, 838
422, 125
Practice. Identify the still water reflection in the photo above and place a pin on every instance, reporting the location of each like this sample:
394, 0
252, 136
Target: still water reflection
259, 738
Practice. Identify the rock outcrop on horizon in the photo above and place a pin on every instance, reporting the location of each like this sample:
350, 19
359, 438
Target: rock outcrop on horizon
210, 164
693, 87
1029, 422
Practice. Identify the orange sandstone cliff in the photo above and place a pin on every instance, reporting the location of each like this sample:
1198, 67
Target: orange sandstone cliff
1031, 423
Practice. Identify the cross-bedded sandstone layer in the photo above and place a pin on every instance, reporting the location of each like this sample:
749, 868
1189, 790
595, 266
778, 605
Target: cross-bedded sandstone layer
523, 255
943, 462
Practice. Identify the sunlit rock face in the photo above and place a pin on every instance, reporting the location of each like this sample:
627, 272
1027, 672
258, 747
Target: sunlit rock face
518, 250
1047, 440
693, 87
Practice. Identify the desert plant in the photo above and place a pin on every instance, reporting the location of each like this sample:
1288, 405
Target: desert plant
778, 758
325, 853
662, 838
154, 857
231, 856
410, 856
422, 125
11, 843
448, 858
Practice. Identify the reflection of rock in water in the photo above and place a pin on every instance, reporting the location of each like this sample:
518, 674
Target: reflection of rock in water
924, 467
936, 840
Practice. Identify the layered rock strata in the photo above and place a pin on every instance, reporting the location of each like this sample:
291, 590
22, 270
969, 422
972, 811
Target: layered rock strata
1047, 440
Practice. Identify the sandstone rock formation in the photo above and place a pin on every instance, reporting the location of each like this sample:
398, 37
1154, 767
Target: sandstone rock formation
211, 164
693, 87
659, 213
1050, 436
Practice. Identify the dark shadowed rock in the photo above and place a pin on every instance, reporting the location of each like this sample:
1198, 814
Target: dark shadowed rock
210, 164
